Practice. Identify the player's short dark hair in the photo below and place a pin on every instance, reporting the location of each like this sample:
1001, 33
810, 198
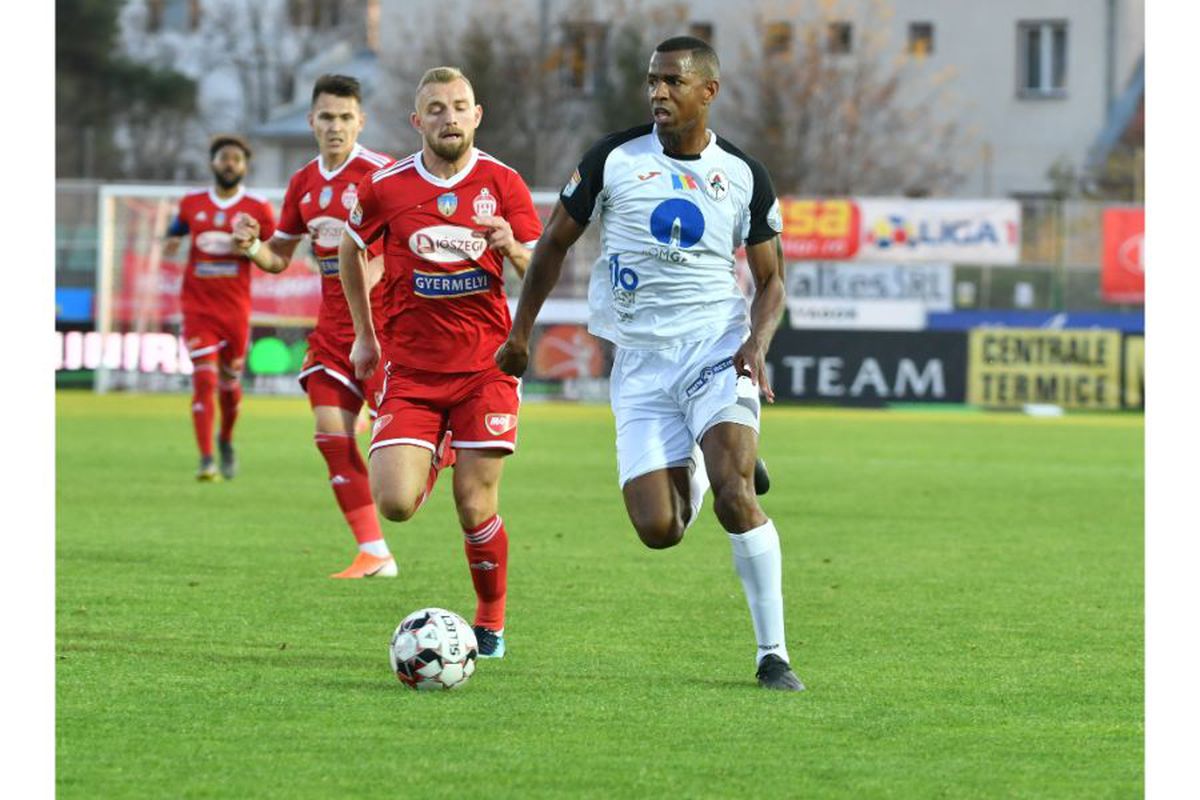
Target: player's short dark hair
703, 56
223, 139
337, 85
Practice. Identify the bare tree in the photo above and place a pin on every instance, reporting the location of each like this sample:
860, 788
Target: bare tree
844, 112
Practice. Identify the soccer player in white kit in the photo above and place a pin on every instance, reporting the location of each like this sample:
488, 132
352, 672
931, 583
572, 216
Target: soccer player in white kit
675, 201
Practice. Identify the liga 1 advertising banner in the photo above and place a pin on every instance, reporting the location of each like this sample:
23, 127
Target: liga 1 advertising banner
1122, 269
825, 295
868, 367
1013, 367
901, 230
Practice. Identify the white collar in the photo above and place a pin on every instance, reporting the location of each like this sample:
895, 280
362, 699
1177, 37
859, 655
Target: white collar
354, 151
226, 202
454, 179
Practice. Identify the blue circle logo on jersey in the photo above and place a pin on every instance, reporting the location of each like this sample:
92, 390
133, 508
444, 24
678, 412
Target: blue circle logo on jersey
677, 219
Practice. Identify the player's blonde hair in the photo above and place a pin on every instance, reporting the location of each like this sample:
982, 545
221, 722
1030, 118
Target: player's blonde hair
442, 75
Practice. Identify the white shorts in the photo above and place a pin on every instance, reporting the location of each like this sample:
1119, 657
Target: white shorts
666, 400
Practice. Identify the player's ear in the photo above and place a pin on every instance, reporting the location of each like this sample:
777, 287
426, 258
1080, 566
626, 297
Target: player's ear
478, 115
414, 119
711, 87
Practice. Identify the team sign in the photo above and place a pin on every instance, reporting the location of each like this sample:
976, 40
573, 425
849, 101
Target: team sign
1012, 367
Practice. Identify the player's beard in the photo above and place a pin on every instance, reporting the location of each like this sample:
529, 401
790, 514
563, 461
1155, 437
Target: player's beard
449, 151
227, 180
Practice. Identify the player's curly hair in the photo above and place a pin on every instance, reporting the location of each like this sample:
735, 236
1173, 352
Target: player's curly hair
223, 139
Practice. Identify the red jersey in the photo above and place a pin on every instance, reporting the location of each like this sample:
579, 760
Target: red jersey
317, 203
216, 282
447, 311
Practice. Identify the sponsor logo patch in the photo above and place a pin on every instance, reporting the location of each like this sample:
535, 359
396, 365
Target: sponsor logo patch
651, 174
448, 204
447, 244
484, 204
572, 184
499, 424
438, 285
707, 374
325, 231
214, 243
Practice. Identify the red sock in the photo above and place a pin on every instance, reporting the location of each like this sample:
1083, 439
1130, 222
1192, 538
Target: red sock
487, 555
230, 395
351, 485
204, 381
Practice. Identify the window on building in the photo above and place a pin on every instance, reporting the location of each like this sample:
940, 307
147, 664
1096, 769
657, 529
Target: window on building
920, 39
154, 15
702, 30
840, 37
583, 50
777, 38
1042, 55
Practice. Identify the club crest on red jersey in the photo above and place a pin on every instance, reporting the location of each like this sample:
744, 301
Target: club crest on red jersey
356, 215
349, 197
326, 195
485, 203
499, 424
448, 204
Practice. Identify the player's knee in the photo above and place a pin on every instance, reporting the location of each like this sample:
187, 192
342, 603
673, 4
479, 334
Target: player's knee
474, 510
658, 530
395, 507
735, 505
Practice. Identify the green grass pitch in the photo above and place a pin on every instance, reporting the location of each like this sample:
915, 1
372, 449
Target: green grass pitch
963, 599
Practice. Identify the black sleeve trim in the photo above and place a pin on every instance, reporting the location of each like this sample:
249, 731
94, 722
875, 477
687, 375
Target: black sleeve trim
581, 201
762, 196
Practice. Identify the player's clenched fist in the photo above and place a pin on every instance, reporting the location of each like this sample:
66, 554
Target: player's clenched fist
512, 358
245, 230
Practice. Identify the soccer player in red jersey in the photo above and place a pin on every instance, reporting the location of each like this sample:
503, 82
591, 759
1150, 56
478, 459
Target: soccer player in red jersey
449, 215
216, 296
319, 197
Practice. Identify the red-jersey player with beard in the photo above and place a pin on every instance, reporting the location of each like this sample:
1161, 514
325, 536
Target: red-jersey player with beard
216, 296
449, 216
319, 197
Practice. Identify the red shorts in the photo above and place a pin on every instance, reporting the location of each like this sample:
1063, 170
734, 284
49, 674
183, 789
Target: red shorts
480, 408
213, 337
328, 377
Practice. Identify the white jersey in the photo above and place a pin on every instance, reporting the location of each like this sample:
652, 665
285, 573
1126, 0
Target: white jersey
669, 228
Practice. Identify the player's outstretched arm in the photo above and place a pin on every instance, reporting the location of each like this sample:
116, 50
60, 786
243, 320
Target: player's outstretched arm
766, 265
545, 267
352, 271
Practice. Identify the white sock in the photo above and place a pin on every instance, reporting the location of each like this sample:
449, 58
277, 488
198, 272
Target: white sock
698, 484
377, 548
758, 562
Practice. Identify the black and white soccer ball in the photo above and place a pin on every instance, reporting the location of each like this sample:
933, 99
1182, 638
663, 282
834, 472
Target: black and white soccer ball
433, 649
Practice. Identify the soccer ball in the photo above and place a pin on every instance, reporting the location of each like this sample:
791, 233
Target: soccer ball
433, 649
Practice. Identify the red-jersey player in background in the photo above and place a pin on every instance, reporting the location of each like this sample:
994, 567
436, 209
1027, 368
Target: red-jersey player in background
319, 197
449, 215
216, 296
